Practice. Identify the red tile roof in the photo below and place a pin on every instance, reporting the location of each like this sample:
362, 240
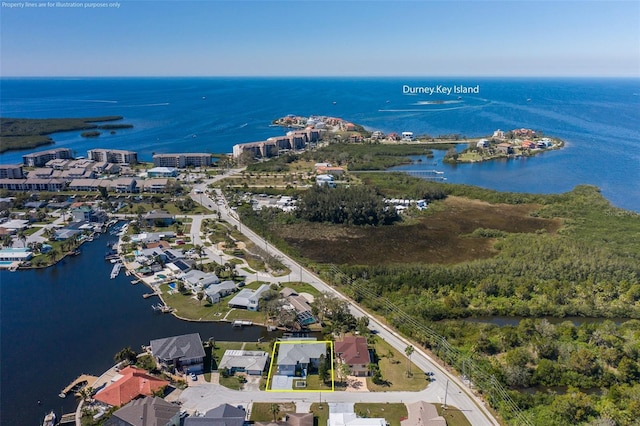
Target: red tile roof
134, 382
353, 350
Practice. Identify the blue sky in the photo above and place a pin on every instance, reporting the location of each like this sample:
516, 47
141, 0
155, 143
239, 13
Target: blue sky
322, 38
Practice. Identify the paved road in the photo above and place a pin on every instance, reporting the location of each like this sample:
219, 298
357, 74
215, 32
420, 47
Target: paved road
456, 393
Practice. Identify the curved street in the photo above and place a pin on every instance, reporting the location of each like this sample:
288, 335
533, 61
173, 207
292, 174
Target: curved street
444, 386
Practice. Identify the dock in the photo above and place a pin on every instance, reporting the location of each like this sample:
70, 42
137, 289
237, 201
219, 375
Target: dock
162, 308
241, 323
148, 295
68, 418
77, 384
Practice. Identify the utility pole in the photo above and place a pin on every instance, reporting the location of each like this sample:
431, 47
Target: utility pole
446, 390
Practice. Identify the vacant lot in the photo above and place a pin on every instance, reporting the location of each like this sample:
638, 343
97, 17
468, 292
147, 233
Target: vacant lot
440, 237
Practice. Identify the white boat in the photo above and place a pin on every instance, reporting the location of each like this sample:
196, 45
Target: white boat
50, 419
116, 270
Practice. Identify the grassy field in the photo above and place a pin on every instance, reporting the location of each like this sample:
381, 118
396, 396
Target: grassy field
394, 371
439, 237
393, 413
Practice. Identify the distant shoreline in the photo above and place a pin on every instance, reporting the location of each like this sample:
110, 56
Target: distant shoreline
18, 134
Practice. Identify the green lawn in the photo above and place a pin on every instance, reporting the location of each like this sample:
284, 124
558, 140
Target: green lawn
391, 412
261, 411
231, 382
453, 416
320, 412
394, 371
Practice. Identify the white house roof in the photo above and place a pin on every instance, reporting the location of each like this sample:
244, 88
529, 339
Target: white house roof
248, 297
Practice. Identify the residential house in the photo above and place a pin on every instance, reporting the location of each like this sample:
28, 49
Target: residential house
147, 411
250, 362
505, 148
216, 292
222, 415
354, 351
162, 172
343, 415
248, 299
301, 306
87, 213
291, 419
423, 414
184, 352
129, 384
482, 143
199, 280
15, 254
158, 218
294, 357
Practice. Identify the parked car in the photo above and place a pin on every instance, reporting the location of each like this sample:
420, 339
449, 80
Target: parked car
194, 377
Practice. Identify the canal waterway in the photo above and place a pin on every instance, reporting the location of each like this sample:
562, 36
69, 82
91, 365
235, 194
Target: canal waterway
70, 319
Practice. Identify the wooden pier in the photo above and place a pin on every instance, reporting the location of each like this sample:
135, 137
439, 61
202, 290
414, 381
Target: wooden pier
79, 383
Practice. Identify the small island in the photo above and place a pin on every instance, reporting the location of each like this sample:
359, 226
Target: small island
27, 133
516, 143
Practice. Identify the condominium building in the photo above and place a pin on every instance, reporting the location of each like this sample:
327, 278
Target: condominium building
183, 160
39, 159
115, 156
11, 171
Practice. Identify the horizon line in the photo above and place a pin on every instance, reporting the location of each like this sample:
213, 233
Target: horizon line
323, 76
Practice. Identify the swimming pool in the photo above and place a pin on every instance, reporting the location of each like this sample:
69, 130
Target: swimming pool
172, 286
6, 262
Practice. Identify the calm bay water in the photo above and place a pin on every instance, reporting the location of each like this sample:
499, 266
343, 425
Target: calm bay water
599, 119
70, 319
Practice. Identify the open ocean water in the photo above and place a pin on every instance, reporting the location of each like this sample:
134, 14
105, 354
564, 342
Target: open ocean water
598, 118
70, 319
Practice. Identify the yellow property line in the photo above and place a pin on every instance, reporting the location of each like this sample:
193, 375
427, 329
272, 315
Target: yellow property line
307, 342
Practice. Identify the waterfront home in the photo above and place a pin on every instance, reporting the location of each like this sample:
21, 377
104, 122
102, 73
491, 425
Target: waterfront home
199, 280
184, 352
248, 299
291, 419
354, 351
294, 357
158, 218
482, 143
15, 254
147, 411
87, 213
215, 292
423, 414
505, 148
301, 306
250, 362
222, 415
129, 384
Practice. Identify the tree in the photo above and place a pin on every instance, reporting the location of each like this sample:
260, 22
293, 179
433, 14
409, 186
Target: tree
344, 371
199, 250
409, 351
323, 369
200, 296
126, 354
274, 409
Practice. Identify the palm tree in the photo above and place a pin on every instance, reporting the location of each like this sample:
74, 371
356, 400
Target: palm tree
274, 409
199, 251
408, 351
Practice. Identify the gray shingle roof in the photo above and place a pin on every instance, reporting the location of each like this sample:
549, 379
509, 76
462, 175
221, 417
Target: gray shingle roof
185, 346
